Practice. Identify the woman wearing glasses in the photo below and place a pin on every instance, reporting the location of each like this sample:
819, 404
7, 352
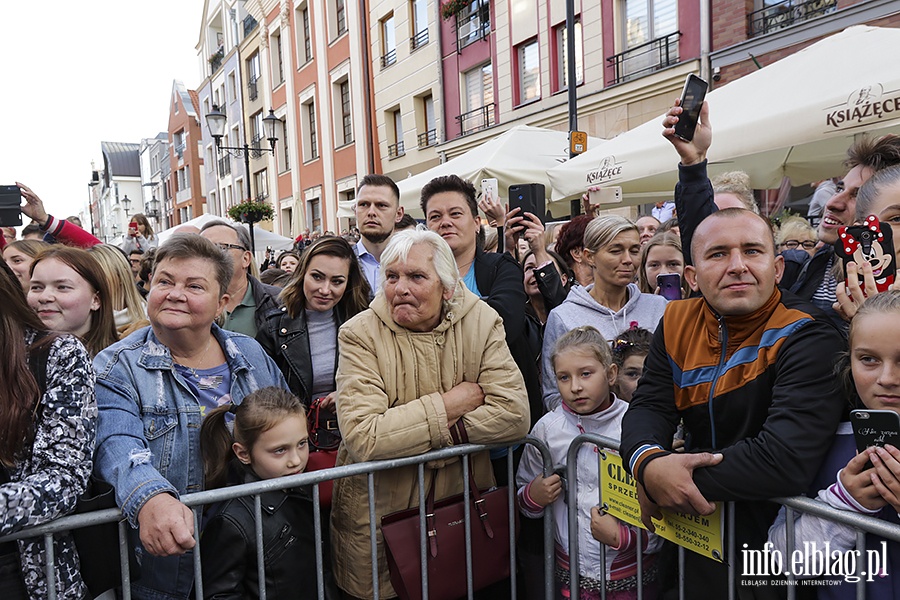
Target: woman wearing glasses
796, 234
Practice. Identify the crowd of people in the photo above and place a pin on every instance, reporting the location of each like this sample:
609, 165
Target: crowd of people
169, 368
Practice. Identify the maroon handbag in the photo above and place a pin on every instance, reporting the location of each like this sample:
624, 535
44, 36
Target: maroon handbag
446, 542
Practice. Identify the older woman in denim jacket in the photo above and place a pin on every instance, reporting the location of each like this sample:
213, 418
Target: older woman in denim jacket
153, 389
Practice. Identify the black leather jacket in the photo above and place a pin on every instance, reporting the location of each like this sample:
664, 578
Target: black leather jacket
229, 549
286, 340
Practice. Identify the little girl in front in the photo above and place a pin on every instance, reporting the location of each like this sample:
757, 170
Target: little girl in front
584, 370
872, 379
270, 440
629, 350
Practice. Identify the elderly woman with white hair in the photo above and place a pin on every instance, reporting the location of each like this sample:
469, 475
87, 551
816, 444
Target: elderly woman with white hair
426, 354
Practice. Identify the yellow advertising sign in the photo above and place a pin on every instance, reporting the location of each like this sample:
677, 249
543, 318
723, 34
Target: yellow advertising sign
618, 492
578, 142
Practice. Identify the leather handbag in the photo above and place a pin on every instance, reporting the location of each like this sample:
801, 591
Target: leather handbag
446, 543
318, 461
323, 427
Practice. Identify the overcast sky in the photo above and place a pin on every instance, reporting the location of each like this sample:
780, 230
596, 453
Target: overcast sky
78, 73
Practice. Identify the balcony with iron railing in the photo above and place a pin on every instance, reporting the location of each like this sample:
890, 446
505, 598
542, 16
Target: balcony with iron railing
429, 138
775, 17
646, 58
225, 165
252, 91
179, 150
396, 150
389, 59
476, 120
249, 24
471, 27
418, 40
256, 145
215, 60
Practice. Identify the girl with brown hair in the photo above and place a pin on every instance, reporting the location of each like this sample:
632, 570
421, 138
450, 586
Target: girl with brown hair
70, 293
47, 426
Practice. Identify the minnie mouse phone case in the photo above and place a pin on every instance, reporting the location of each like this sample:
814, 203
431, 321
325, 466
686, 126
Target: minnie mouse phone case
869, 243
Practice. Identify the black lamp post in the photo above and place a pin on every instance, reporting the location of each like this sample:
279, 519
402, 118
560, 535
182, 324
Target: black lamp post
217, 122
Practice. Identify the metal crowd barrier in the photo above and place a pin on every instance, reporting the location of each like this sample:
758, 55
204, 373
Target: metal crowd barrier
863, 524
198, 500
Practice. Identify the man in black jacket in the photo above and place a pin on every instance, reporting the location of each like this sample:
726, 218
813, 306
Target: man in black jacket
749, 370
811, 278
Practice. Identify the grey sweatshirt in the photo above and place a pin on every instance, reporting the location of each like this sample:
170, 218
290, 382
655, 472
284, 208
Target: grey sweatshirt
579, 309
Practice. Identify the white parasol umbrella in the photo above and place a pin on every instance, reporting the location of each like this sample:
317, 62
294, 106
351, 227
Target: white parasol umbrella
523, 154
794, 118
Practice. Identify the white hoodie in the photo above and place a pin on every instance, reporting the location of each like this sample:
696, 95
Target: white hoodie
580, 308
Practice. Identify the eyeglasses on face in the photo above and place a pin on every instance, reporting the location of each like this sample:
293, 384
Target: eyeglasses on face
794, 244
227, 247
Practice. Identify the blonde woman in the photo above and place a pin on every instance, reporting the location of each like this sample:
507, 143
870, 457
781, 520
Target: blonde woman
612, 303
128, 306
796, 233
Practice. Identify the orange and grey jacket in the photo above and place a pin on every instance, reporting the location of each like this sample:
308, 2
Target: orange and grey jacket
759, 388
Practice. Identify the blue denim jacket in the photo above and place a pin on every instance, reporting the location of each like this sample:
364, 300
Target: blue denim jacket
148, 433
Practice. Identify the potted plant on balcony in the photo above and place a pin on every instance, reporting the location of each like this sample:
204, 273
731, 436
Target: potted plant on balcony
251, 211
451, 8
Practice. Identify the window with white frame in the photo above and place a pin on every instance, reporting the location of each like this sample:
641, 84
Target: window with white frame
337, 18
253, 76
314, 215
426, 122
261, 183
304, 37
529, 68
388, 41
562, 56
647, 23
256, 130
277, 58
342, 100
285, 156
394, 122
419, 22
478, 87
232, 87
310, 130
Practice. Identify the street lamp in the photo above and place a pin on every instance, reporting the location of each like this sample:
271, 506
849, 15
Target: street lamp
217, 122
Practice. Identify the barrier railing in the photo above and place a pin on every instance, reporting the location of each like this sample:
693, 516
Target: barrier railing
198, 500
863, 524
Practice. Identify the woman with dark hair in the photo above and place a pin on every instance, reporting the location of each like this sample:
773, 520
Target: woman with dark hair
140, 238
570, 245
70, 293
47, 425
327, 289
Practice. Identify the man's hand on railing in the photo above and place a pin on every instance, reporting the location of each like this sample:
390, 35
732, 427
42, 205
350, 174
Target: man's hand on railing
669, 482
166, 526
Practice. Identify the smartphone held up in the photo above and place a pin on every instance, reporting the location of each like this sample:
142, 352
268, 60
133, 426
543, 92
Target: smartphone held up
10, 206
692, 97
